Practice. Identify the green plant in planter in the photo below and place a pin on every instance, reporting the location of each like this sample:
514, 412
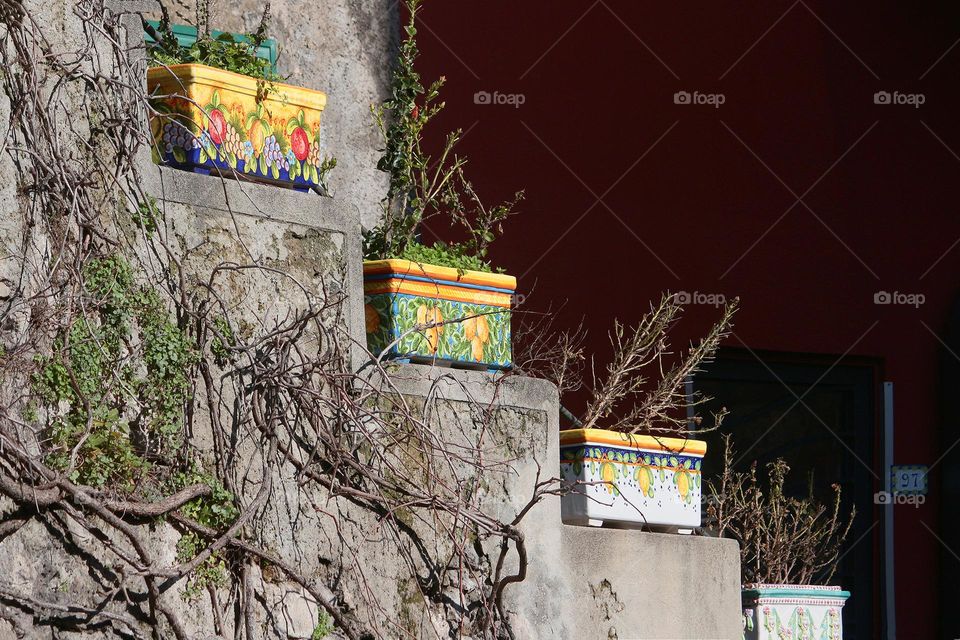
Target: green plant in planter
422, 187
224, 51
274, 137
783, 540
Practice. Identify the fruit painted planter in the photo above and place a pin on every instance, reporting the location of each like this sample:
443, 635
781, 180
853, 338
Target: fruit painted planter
792, 612
630, 479
471, 311
209, 120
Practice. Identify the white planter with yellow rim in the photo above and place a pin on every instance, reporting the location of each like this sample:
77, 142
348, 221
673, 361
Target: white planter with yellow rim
630, 479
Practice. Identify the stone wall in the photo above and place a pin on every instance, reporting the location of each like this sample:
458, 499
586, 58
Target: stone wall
581, 583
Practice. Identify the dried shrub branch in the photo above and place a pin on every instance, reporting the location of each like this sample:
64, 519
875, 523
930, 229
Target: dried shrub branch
621, 398
783, 540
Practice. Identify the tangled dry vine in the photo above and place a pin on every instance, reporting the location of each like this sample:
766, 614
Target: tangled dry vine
156, 431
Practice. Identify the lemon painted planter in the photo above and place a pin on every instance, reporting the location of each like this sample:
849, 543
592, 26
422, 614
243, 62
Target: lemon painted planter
210, 121
630, 479
792, 612
470, 311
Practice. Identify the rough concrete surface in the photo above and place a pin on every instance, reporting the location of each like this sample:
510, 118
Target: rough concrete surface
586, 582
613, 583
321, 236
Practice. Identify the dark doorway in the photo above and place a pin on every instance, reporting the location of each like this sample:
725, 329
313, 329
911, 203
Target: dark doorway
949, 468
820, 415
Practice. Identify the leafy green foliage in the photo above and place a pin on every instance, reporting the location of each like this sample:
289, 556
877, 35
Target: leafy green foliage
238, 55
421, 186
169, 356
444, 255
222, 340
210, 572
217, 511
106, 457
324, 626
121, 363
327, 165
147, 215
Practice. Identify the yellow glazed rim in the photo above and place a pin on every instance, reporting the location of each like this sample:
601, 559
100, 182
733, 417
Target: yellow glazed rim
203, 74
654, 443
422, 270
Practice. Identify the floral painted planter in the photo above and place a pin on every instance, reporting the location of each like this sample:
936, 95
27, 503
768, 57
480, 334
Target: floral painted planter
792, 612
210, 121
630, 479
471, 311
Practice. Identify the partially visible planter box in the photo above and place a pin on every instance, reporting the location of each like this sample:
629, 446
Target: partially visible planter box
471, 311
210, 120
792, 612
630, 479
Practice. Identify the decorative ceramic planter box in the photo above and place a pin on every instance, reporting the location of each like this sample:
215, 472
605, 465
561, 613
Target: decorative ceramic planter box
210, 120
471, 310
630, 479
792, 612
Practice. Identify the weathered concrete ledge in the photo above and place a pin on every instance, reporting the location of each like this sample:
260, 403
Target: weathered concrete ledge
260, 215
614, 583
585, 582
463, 385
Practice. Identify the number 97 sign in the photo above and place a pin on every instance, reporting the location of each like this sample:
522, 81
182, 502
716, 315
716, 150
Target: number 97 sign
909, 480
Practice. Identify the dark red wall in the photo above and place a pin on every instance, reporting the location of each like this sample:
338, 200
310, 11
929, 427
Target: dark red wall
706, 209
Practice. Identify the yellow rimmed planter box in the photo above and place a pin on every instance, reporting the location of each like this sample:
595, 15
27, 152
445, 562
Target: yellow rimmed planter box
630, 479
792, 612
423, 313
213, 121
